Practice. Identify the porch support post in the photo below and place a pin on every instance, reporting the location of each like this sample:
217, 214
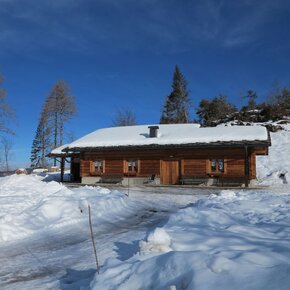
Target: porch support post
62, 162
247, 167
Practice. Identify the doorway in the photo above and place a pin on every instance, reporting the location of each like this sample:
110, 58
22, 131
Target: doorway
169, 172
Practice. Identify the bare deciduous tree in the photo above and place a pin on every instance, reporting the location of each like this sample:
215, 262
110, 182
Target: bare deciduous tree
70, 137
6, 147
124, 117
60, 107
5, 111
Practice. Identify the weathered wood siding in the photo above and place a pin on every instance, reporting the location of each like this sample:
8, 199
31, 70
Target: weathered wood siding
158, 154
114, 167
194, 166
191, 162
235, 167
84, 168
149, 167
253, 166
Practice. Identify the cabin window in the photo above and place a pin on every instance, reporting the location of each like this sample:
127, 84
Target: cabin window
99, 166
217, 165
132, 166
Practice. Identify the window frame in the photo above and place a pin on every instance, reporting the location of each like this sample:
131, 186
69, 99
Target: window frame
216, 169
100, 168
135, 167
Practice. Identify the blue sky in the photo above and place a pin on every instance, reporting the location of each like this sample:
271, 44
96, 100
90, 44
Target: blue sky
121, 54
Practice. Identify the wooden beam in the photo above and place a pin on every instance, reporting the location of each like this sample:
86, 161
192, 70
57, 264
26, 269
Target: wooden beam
62, 169
247, 167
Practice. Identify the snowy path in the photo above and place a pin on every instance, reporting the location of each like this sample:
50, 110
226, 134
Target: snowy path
62, 257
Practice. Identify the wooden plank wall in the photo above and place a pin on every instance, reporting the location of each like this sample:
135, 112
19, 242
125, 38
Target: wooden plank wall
235, 167
114, 167
149, 167
158, 154
85, 168
193, 162
194, 166
253, 166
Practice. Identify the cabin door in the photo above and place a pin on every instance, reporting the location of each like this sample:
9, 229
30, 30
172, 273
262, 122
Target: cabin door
169, 172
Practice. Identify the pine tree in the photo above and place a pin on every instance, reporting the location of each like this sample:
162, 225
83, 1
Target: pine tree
251, 97
176, 107
215, 111
41, 144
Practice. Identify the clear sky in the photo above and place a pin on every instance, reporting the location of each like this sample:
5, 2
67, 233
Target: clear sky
122, 53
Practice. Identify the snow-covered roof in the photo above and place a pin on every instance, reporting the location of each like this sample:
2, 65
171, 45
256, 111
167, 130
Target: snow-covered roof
58, 151
173, 134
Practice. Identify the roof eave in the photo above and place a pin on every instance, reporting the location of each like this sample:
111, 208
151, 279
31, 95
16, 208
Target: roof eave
263, 143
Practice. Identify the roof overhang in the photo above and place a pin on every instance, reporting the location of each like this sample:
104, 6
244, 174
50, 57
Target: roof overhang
62, 155
230, 144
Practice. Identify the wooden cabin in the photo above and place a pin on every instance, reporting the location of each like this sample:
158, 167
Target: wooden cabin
170, 154
71, 158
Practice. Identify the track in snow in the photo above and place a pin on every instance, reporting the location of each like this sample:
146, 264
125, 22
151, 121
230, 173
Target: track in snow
62, 258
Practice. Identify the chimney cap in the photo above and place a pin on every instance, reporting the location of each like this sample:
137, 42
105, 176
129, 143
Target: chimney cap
153, 127
153, 131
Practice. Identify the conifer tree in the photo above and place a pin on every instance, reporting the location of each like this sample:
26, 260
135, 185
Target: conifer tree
41, 144
215, 111
251, 96
176, 107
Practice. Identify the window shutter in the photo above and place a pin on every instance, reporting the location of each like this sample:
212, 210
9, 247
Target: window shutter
92, 167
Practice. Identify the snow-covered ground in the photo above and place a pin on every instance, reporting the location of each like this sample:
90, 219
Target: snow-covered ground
237, 240
274, 170
157, 238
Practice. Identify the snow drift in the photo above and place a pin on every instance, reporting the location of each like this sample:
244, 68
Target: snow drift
30, 205
238, 240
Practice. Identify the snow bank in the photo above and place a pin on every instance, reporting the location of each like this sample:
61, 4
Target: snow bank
238, 240
157, 241
29, 205
274, 169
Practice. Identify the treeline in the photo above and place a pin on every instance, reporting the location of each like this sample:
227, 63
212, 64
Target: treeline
220, 110
211, 112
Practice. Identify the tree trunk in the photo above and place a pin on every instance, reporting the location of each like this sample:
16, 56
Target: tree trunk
55, 134
60, 129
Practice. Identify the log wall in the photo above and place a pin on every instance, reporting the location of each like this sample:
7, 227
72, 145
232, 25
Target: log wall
192, 162
149, 167
114, 167
194, 166
235, 167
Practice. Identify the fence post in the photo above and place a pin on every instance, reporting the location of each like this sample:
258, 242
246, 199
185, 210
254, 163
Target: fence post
93, 240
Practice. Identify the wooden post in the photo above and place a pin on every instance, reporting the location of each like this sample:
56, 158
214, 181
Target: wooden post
93, 240
179, 170
62, 168
128, 185
247, 167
